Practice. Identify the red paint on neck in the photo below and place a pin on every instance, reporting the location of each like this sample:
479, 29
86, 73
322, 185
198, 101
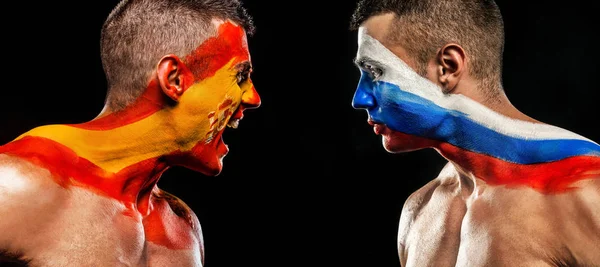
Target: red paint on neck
151, 101
130, 186
547, 178
68, 169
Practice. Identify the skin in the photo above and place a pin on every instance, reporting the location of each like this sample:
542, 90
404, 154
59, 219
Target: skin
515, 191
88, 192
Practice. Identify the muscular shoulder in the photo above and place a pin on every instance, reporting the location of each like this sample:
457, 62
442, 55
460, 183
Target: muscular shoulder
180, 209
22, 179
445, 185
178, 206
27, 194
443, 190
581, 213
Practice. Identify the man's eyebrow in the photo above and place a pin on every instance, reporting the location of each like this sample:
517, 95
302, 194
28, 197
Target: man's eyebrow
358, 61
243, 66
361, 60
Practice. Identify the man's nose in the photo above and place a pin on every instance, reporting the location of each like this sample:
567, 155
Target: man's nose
250, 98
363, 97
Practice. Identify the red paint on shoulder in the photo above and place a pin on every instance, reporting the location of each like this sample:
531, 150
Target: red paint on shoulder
69, 169
547, 178
163, 227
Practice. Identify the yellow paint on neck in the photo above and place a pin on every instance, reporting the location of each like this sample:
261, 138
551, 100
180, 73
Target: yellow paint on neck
173, 128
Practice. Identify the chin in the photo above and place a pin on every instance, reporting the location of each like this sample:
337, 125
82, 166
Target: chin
205, 158
209, 168
397, 142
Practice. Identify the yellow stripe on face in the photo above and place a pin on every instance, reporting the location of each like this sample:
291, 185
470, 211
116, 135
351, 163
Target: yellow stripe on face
203, 110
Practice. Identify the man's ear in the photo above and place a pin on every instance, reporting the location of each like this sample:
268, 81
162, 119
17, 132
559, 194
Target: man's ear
172, 73
451, 65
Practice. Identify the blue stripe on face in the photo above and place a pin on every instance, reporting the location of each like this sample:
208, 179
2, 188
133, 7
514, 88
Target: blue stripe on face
411, 114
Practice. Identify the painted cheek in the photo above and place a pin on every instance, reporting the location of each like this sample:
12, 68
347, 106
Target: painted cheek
405, 112
205, 107
218, 119
363, 97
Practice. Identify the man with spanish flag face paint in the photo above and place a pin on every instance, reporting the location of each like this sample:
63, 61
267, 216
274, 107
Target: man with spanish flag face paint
178, 74
515, 191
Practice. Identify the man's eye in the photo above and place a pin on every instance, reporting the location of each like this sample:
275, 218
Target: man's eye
242, 77
374, 71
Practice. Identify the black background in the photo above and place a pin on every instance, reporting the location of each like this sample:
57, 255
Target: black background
306, 182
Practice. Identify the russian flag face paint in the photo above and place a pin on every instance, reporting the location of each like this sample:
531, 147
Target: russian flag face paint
414, 113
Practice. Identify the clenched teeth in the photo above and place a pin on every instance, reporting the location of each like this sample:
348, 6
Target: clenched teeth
233, 123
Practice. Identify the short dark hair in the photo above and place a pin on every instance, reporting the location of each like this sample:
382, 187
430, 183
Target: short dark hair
137, 33
424, 26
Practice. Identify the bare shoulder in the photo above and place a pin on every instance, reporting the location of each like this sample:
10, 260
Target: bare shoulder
585, 201
178, 206
20, 178
182, 210
445, 185
27, 194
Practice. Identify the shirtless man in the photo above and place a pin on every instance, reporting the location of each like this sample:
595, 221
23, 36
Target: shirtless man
86, 194
515, 191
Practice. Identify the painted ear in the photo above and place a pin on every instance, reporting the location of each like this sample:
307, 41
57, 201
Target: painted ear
171, 76
451, 59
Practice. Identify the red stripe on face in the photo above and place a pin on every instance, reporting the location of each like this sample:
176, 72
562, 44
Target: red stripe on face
215, 52
203, 62
547, 178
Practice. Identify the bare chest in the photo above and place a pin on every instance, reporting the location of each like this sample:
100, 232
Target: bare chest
495, 230
84, 229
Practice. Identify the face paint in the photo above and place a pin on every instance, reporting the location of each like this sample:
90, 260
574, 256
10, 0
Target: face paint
122, 155
149, 129
498, 149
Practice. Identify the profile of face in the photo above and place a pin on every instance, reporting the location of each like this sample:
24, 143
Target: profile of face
216, 98
399, 102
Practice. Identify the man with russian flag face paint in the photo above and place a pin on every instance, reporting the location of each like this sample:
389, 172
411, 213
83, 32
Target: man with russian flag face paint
178, 74
515, 191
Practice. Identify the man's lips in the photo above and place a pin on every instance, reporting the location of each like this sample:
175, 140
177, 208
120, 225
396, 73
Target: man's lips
378, 128
235, 119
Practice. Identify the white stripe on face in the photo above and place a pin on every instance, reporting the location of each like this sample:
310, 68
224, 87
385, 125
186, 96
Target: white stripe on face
397, 72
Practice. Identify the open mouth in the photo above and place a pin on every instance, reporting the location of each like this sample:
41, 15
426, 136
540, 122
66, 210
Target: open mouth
232, 123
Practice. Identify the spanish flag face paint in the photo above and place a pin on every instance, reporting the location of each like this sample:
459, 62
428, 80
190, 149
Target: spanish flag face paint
148, 136
216, 99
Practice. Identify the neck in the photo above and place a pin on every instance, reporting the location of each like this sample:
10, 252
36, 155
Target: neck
512, 149
118, 155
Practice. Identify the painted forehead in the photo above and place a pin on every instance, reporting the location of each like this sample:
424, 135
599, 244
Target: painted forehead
395, 70
228, 45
